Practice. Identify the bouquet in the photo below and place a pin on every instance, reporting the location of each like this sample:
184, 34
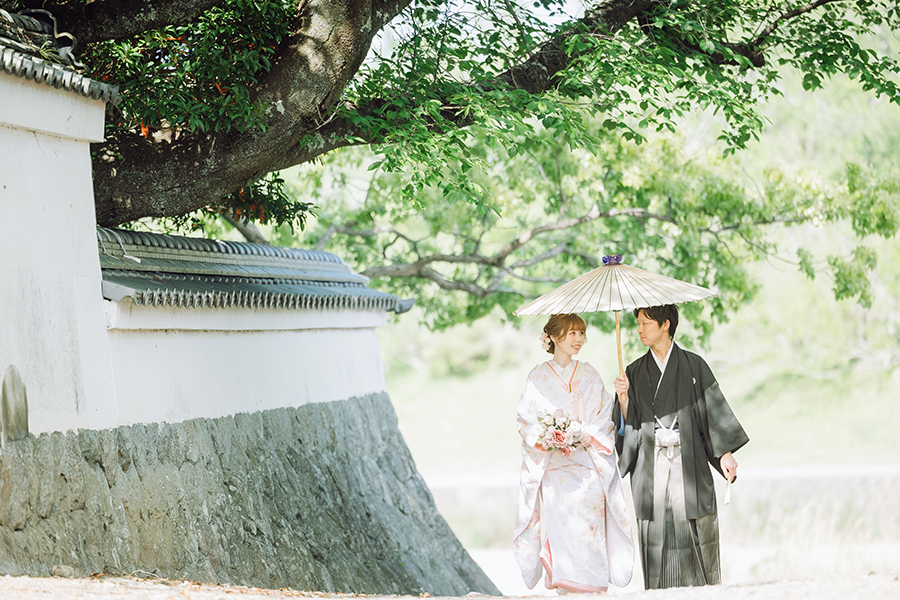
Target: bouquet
560, 432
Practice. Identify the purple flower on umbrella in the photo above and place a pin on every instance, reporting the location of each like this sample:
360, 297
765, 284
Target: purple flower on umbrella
612, 259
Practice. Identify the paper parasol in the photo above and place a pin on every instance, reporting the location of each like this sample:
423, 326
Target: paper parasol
614, 286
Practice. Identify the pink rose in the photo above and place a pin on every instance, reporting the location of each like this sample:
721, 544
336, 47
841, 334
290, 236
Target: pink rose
559, 438
566, 451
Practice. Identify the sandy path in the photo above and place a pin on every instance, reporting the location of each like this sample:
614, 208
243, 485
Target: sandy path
871, 587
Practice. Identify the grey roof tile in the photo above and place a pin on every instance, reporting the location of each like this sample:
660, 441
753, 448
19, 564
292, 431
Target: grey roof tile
25, 66
166, 270
44, 55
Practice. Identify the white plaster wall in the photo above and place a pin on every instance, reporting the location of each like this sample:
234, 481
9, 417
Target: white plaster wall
51, 308
176, 375
88, 363
40, 108
126, 315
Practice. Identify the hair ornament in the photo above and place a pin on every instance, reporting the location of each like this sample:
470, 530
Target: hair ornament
545, 341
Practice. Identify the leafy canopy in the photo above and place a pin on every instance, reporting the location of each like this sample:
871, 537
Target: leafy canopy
196, 77
509, 141
672, 59
539, 70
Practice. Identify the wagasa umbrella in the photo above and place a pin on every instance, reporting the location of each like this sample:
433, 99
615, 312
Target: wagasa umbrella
614, 287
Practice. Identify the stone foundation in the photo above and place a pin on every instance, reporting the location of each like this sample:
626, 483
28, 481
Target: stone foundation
322, 497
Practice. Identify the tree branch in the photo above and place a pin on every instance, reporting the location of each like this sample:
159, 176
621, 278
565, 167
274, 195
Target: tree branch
538, 279
594, 214
761, 38
530, 262
498, 260
526, 236
247, 229
752, 50
417, 267
117, 19
758, 223
461, 286
538, 73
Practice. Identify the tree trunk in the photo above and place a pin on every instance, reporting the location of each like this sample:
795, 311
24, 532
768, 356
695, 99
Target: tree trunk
169, 173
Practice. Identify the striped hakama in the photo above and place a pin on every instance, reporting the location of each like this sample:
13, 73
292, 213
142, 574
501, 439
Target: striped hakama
676, 551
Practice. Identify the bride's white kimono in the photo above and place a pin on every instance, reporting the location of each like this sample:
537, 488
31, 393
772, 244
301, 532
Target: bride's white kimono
588, 543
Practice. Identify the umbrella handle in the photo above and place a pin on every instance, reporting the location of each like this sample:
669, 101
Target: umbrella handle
619, 348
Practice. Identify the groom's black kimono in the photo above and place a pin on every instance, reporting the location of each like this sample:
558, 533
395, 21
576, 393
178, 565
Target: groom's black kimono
674, 496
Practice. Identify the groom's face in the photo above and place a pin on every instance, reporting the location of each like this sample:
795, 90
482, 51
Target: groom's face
650, 331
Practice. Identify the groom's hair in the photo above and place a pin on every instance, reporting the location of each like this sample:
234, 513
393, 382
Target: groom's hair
661, 314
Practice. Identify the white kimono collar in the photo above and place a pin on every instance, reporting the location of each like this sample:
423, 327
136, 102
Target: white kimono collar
567, 370
661, 363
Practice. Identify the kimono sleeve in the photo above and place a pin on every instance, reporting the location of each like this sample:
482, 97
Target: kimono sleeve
721, 430
527, 419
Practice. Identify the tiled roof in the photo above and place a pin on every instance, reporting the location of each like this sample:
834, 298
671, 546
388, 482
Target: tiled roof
31, 67
166, 270
34, 56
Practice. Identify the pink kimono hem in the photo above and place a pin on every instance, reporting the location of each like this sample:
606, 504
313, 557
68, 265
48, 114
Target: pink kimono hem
579, 588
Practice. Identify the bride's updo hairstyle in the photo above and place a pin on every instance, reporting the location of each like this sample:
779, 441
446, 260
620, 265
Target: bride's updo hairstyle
559, 327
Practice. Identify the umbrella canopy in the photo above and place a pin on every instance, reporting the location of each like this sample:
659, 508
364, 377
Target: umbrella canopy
614, 286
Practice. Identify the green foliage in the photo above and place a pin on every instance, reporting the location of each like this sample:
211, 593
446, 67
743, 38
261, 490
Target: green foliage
873, 201
443, 65
472, 179
197, 77
850, 276
870, 202
725, 57
805, 265
266, 201
692, 218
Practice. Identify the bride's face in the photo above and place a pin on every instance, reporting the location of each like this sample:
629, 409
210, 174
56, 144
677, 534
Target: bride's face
570, 343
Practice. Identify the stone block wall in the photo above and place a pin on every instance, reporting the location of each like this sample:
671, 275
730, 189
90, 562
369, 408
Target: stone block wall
321, 497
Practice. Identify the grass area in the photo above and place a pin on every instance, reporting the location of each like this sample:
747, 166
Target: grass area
460, 425
797, 420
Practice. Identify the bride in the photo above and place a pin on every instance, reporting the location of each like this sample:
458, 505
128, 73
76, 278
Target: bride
570, 493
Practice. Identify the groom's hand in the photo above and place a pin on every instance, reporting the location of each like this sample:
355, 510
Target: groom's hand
729, 466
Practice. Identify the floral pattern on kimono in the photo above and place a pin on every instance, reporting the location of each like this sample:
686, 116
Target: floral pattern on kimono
588, 535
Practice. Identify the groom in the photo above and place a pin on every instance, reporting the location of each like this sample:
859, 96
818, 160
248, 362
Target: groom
673, 421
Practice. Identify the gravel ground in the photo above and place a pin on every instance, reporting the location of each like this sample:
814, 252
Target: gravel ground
871, 587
